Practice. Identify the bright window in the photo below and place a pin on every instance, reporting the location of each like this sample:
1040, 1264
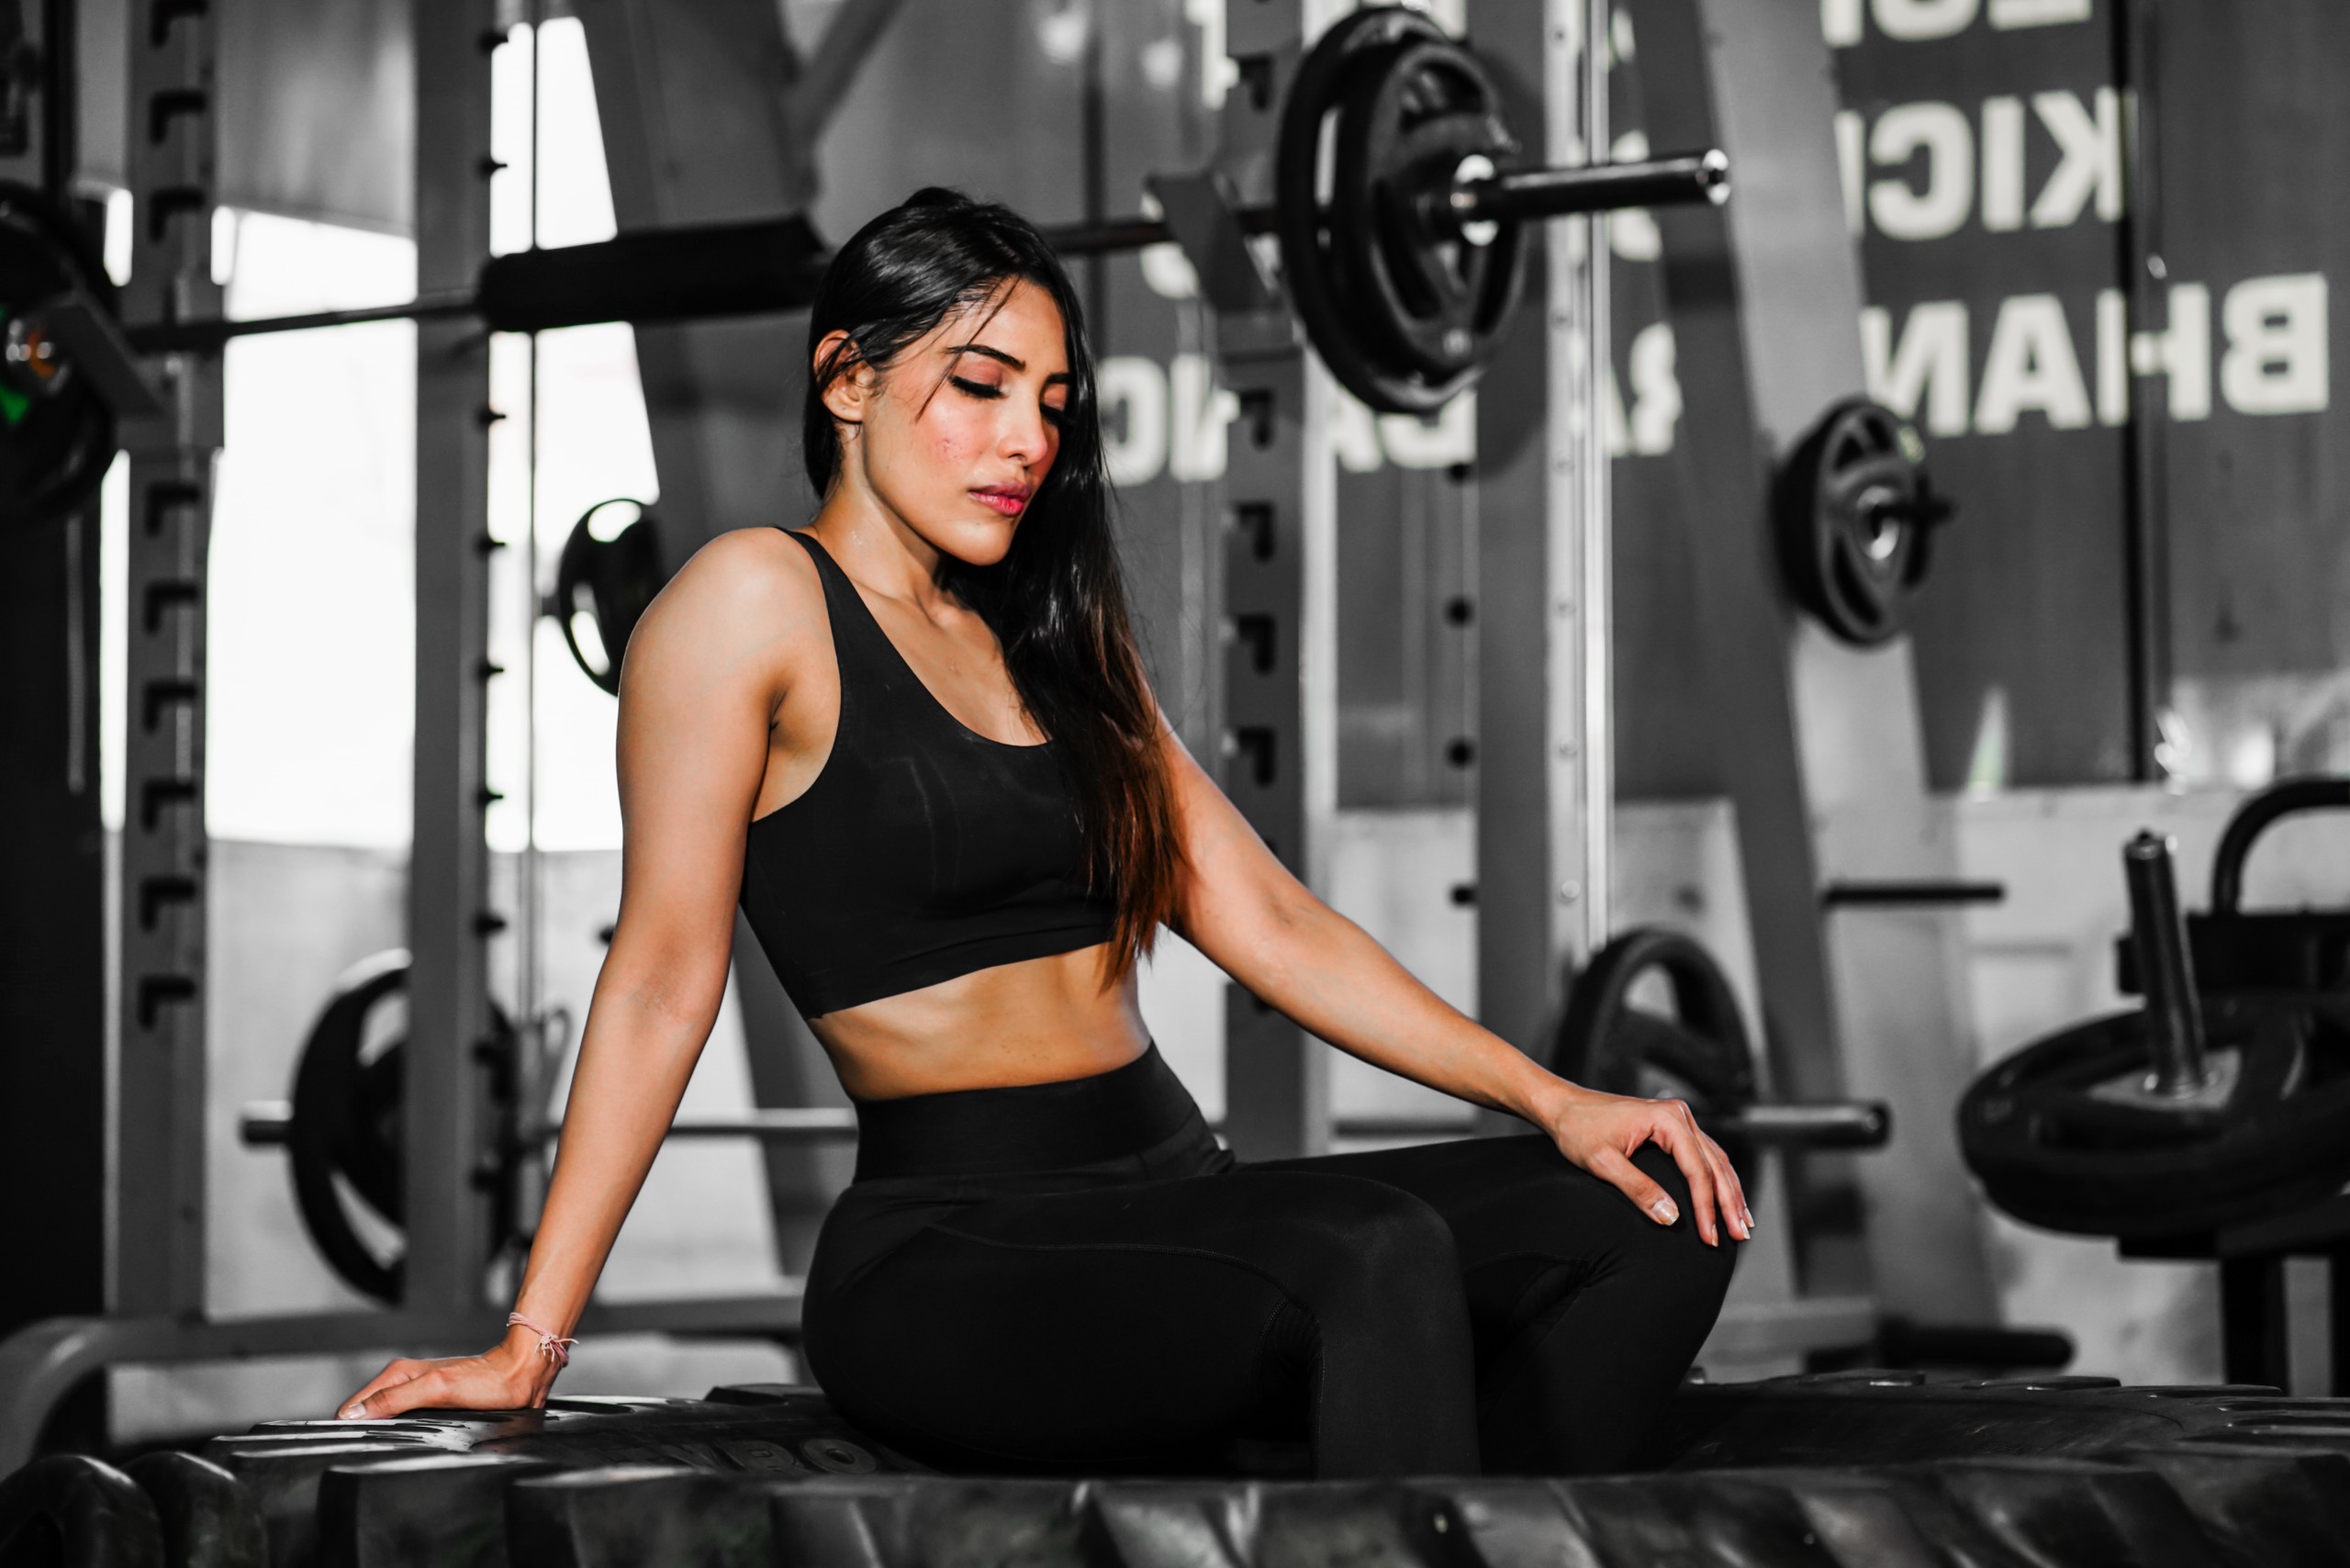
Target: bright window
593, 444
310, 704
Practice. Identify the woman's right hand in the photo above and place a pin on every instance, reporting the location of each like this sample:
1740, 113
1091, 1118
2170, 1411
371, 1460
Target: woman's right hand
513, 1376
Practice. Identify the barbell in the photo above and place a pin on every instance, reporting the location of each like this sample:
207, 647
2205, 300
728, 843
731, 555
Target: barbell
347, 1156
1403, 265
342, 1130
1699, 1053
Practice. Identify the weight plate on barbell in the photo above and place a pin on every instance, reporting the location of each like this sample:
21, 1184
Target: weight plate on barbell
1406, 131
1854, 516
606, 578
1324, 251
344, 1138
56, 435
1701, 1054
2064, 1134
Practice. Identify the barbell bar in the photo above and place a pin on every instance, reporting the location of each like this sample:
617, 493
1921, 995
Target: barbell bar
1832, 1124
767, 265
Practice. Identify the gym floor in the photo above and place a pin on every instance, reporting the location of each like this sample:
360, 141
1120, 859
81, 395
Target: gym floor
1879, 759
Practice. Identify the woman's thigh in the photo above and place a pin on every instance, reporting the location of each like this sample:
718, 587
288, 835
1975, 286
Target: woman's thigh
1530, 1227
1136, 1325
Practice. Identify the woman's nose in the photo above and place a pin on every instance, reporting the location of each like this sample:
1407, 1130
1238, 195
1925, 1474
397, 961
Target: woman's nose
1027, 436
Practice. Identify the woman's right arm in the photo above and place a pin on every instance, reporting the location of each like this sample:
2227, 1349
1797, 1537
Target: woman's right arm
704, 674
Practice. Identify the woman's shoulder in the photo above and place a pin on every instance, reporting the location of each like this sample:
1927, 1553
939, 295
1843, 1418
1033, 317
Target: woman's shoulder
749, 592
755, 573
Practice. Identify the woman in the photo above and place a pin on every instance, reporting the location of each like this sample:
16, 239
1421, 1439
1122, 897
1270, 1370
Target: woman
917, 741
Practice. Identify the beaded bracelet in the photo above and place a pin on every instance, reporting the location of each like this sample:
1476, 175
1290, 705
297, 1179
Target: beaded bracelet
551, 1346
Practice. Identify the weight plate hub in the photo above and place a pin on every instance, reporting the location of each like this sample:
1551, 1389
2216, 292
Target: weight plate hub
56, 435
1400, 302
1855, 515
1701, 1054
2064, 1135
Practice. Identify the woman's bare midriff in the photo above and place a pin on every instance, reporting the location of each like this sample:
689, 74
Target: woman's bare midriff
1039, 1020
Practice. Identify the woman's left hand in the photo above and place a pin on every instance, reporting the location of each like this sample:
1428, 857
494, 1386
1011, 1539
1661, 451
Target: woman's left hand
1601, 1132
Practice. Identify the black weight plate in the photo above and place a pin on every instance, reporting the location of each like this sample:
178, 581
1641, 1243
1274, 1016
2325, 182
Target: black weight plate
345, 1131
56, 435
321, 1133
1701, 1054
1353, 51
370, 1139
1432, 299
610, 581
1852, 510
2057, 1141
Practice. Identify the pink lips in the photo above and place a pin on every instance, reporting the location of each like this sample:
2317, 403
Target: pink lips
1008, 499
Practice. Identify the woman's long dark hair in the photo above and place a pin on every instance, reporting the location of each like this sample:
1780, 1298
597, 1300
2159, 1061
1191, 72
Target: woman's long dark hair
1057, 601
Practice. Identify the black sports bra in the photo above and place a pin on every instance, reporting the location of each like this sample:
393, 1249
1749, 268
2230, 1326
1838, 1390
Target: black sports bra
923, 851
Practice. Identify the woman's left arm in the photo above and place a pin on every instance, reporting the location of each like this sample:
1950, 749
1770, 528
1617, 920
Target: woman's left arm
1243, 909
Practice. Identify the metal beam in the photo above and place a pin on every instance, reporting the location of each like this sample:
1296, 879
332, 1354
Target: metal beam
1821, 746
159, 1247
1276, 597
447, 1129
1543, 790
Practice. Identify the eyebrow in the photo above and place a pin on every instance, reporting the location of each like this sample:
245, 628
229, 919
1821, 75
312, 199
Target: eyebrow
984, 351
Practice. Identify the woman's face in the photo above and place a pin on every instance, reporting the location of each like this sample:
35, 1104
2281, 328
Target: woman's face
956, 436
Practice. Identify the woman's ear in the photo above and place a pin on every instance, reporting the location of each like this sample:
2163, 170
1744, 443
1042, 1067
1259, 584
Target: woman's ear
849, 391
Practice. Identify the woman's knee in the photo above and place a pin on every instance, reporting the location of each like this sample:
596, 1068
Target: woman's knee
1681, 1240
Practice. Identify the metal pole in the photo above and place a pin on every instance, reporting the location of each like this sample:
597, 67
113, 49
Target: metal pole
1685, 179
450, 922
159, 1238
529, 1009
2158, 933
1279, 580
1597, 760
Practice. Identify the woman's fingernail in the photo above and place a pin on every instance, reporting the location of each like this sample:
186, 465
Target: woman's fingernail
1664, 1212
1749, 1217
350, 1413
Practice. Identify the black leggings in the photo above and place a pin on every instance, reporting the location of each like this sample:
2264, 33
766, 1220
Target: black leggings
1074, 1277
